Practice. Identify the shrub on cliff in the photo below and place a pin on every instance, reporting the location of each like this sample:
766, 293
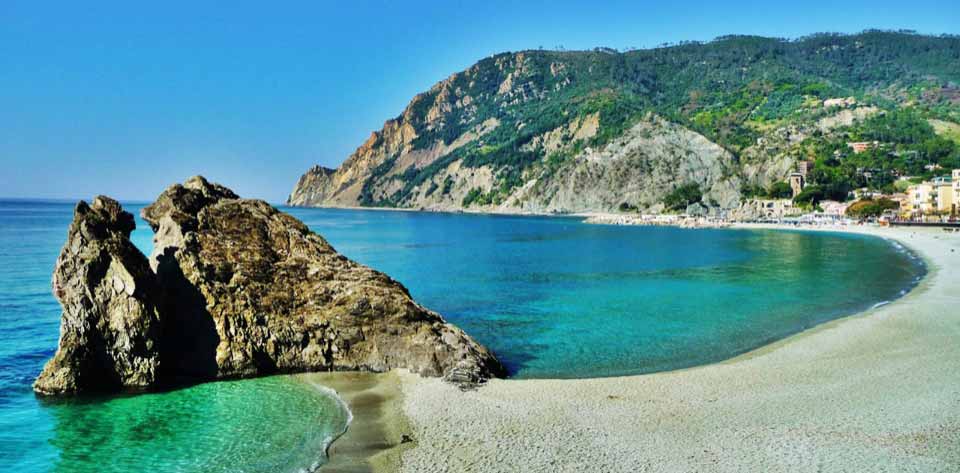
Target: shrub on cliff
780, 190
682, 196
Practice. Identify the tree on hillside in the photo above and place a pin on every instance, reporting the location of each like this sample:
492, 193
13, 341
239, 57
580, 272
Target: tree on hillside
871, 208
682, 196
780, 190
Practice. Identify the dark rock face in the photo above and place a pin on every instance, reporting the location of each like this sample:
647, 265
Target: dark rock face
110, 325
245, 290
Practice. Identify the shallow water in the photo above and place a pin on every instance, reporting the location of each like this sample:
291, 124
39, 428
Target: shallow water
551, 296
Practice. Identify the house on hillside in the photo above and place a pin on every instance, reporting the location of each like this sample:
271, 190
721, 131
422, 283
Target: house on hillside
861, 146
840, 102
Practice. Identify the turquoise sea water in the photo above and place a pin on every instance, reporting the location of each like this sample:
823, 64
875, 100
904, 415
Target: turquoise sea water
551, 296
556, 298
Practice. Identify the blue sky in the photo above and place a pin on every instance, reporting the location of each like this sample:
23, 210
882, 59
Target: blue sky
123, 99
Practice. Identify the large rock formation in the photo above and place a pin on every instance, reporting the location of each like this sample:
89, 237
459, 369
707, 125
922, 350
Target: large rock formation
110, 327
239, 289
269, 295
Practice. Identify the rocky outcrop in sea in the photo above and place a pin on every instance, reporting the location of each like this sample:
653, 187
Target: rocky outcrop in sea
110, 328
234, 288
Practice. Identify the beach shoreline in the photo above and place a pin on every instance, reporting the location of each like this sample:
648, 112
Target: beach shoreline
826, 397
374, 437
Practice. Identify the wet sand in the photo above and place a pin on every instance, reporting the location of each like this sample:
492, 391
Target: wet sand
374, 439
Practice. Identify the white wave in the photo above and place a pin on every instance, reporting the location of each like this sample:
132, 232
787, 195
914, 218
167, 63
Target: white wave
327, 442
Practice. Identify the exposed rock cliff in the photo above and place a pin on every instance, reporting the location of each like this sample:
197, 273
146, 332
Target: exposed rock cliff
110, 327
313, 186
638, 169
234, 288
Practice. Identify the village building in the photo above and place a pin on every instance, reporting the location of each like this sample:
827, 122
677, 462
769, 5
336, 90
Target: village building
868, 173
921, 199
946, 203
766, 209
839, 102
833, 208
796, 183
861, 146
956, 188
940, 195
866, 193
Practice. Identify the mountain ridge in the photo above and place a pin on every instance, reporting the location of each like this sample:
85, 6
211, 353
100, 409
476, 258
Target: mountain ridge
572, 131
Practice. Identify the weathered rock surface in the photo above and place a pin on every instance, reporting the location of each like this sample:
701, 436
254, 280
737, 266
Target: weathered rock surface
638, 169
110, 327
313, 186
261, 293
242, 290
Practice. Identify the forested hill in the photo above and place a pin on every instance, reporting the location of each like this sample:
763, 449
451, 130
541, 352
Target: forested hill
558, 131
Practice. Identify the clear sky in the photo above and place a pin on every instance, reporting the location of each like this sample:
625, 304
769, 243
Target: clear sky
121, 98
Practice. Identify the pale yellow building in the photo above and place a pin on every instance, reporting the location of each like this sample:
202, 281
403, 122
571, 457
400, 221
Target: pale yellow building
941, 195
920, 199
946, 198
956, 187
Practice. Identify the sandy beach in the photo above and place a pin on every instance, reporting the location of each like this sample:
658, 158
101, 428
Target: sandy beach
877, 391
374, 438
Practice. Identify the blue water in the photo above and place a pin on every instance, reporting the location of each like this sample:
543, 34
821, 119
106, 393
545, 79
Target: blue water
552, 297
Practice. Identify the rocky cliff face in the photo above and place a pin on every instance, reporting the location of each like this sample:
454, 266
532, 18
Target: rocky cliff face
313, 186
638, 169
110, 327
234, 288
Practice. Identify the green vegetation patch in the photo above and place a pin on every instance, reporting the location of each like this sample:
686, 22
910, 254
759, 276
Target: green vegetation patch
679, 198
866, 208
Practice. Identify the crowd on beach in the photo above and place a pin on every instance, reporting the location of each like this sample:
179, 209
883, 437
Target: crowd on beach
684, 221
689, 221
